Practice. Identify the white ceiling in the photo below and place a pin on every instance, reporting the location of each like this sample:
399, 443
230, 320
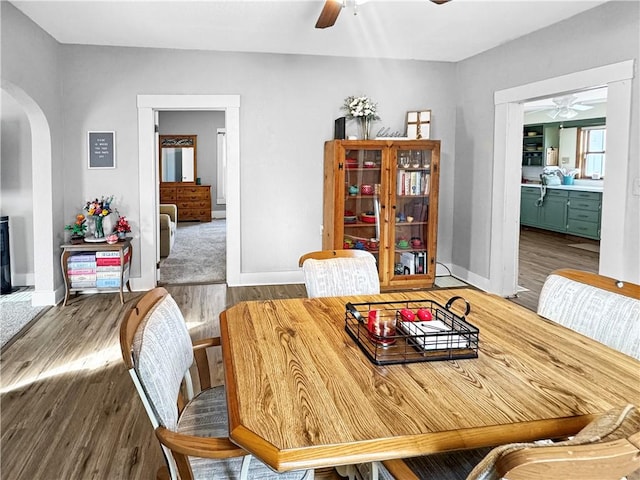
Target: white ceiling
414, 29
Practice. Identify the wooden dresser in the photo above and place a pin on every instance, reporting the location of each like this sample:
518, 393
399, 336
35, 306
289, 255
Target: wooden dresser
193, 201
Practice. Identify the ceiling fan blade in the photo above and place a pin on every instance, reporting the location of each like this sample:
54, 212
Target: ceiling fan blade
579, 106
554, 114
440, 2
329, 14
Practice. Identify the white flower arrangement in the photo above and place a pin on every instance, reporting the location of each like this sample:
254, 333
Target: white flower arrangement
569, 173
361, 107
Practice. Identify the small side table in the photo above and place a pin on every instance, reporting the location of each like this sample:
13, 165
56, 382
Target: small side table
125, 251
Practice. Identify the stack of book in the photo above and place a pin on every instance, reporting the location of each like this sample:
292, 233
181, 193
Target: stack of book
413, 263
81, 269
109, 267
413, 183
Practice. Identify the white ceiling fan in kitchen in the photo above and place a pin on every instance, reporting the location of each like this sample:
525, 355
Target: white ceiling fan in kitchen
567, 106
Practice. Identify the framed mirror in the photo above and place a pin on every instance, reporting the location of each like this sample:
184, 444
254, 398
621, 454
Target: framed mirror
178, 159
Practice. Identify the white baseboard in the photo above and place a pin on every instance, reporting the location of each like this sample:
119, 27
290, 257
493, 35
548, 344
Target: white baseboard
270, 278
41, 298
218, 214
471, 278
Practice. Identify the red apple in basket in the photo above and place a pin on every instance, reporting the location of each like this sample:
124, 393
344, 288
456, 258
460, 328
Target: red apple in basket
407, 315
424, 315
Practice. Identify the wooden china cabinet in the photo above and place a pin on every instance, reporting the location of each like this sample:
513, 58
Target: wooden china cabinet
382, 196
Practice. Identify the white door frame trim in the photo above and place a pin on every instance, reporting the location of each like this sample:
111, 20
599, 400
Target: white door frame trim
148, 172
505, 216
44, 258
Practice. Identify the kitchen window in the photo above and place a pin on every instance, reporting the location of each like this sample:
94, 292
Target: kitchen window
593, 142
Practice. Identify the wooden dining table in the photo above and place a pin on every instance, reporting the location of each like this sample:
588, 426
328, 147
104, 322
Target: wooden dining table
302, 394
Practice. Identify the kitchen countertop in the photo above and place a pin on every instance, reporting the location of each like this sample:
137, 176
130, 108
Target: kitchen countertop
577, 188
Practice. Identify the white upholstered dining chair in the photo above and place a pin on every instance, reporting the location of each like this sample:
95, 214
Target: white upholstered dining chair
332, 273
192, 429
599, 307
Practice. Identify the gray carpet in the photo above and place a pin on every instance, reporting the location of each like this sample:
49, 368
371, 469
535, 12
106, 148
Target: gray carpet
199, 254
16, 312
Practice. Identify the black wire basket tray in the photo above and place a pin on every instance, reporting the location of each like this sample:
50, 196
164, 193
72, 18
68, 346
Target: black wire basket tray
443, 336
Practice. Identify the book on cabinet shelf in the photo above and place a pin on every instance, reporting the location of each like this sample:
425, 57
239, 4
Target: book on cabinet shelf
413, 263
412, 183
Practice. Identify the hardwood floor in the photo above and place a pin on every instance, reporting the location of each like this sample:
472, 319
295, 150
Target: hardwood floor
69, 409
542, 252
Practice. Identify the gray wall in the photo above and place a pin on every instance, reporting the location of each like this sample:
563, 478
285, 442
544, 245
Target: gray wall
601, 36
31, 68
204, 125
16, 199
288, 104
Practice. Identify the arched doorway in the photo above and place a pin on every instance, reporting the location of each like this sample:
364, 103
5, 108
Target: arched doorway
45, 251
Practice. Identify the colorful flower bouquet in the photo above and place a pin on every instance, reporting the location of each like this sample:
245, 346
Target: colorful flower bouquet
97, 210
100, 208
122, 227
77, 229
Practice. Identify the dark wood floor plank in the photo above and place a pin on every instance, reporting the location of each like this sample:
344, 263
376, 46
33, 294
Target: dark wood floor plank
540, 253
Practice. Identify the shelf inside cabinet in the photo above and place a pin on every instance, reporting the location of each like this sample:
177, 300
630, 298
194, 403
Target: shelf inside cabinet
359, 224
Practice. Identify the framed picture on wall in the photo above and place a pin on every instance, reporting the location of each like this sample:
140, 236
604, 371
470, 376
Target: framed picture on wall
101, 149
419, 124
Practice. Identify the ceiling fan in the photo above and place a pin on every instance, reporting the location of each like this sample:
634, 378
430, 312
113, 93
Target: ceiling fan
331, 10
567, 106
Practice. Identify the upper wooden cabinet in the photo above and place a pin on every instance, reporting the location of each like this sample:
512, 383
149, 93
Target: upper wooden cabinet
382, 196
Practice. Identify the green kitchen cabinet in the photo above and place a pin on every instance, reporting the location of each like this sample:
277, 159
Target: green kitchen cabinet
533, 145
528, 209
584, 214
566, 211
553, 213
536, 139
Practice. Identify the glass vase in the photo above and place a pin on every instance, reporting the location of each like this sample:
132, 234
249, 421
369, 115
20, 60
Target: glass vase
99, 230
365, 127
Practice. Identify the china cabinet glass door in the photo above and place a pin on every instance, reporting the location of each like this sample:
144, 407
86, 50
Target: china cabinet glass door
409, 222
362, 194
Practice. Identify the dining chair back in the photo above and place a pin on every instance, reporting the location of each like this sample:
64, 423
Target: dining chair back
599, 307
192, 429
606, 449
331, 273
